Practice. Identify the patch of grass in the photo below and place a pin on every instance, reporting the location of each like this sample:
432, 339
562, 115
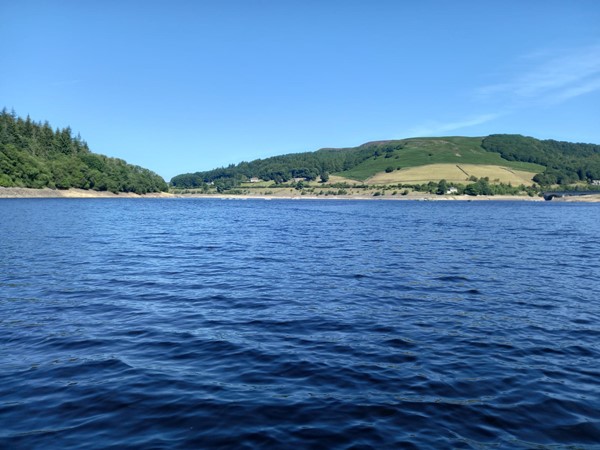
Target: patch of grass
454, 173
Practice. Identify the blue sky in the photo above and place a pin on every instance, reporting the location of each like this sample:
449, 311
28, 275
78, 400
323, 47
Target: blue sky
182, 86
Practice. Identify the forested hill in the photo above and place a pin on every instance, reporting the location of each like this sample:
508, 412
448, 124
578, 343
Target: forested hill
33, 155
564, 162
309, 165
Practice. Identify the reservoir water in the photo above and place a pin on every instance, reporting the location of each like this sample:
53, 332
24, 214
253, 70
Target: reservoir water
299, 324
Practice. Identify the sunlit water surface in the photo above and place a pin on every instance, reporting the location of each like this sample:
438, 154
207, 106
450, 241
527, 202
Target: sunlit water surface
299, 324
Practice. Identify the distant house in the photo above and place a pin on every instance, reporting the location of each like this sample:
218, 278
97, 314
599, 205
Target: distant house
254, 180
300, 179
452, 190
596, 182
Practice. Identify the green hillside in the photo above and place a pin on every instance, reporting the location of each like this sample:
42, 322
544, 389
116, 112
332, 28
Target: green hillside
549, 162
394, 155
33, 155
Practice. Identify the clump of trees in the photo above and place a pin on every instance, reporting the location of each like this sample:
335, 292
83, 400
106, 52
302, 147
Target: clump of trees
565, 162
34, 155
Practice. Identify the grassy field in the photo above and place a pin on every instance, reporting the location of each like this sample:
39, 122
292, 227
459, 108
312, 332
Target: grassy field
454, 173
433, 151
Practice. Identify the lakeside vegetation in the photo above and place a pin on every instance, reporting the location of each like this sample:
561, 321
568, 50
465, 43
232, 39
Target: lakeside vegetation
336, 187
33, 155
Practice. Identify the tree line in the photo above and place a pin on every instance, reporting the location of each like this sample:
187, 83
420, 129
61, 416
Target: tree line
283, 168
34, 155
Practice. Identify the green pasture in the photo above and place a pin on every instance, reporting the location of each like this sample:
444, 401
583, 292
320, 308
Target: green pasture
442, 150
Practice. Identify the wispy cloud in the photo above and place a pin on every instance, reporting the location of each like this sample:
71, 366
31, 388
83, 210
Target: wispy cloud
549, 79
545, 79
434, 128
576, 91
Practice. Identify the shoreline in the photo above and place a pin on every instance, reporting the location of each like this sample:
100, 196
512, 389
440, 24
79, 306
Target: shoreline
13, 192
17, 192
399, 198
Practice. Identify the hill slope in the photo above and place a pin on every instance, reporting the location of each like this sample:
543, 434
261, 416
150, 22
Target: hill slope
453, 173
546, 162
33, 155
426, 151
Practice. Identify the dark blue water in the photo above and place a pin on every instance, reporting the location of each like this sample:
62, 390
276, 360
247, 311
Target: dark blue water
299, 324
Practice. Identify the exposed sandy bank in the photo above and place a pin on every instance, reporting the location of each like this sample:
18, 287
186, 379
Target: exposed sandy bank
13, 192
295, 195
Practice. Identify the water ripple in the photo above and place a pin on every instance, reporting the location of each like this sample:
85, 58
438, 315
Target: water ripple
210, 324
